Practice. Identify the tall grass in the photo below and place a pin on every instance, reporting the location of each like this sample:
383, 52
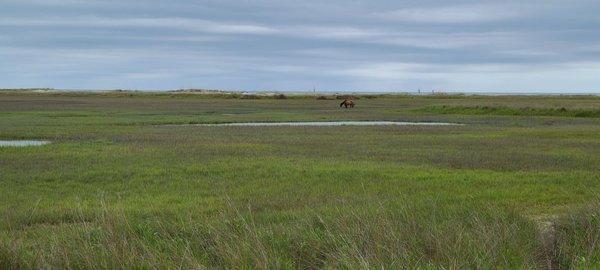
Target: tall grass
578, 238
425, 236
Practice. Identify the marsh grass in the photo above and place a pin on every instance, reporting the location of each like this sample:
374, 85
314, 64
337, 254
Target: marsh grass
578, 238
489, 110
117, 189
403, 236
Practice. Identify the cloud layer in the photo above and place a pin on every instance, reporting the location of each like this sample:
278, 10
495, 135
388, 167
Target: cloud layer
550, 46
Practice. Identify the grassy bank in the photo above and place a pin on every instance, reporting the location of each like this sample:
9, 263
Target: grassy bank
119, 189
486, 110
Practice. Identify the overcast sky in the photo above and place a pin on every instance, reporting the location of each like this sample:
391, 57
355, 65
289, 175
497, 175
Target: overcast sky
498, 46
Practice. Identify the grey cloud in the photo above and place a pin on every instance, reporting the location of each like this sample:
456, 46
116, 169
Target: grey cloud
465, 13
292, 45
181, 23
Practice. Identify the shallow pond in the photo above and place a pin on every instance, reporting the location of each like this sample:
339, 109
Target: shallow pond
336, 123
22, 143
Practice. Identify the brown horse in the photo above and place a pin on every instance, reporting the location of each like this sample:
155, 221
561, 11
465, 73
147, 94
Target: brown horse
347, 103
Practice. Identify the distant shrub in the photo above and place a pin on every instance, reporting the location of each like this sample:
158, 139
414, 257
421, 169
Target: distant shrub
280, 96
346, 97
250, 97
324, 98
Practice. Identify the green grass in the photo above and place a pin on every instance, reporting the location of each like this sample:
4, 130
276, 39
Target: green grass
486, 110
578, 238
119, 189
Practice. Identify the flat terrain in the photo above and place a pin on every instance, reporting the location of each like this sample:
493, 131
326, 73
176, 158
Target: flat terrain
121, 187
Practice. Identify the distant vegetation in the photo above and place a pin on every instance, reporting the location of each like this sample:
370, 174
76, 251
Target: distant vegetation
325, 97
204, 94
26, 89
490, 110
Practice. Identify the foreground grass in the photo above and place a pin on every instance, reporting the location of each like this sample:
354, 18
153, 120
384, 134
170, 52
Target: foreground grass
394, 236
578, 238
117, 189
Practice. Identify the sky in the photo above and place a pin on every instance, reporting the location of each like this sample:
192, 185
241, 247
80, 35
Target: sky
281, 45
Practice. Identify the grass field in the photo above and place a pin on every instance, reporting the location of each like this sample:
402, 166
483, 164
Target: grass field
515, 187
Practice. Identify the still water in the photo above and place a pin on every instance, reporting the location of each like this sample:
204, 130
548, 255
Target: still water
336, 123
22, 143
